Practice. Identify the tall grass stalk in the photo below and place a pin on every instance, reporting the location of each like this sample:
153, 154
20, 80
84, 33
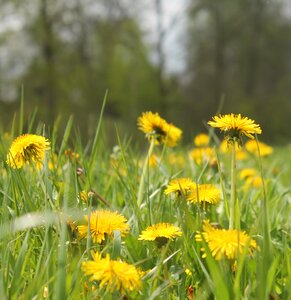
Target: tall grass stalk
60, 283
144, 173
96, 137
133, 200
233, 222
266, 267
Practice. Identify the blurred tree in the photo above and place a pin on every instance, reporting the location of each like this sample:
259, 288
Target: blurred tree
81, 49
160, 51
241, 49
67, 53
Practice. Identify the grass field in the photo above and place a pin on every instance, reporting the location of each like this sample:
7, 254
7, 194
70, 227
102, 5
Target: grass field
43, 250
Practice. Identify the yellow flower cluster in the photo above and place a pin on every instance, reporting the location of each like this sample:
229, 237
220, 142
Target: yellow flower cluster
240, 152
158, 129
225, 243
180, 186
160, 230
195, 193
205, 193
115, 275
235, 125
258, 148
251, 178
250, 147
102, 224
201, 140
26, 149
202, 153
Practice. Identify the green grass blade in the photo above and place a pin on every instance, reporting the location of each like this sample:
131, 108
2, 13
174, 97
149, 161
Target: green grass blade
96, 137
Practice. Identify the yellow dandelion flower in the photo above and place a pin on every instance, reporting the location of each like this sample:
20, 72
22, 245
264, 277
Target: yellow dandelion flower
188, 272
251, 177
203, 155
176, 159
252, 147
174, 134
180, 186
240, 153
45, 292
83, 195
52, 162
158, 129
247, 172
114, 275
255, 182
27, 148
153, 161
205, 193
160, 231
152, 124
225, 243
201, 140
235, 126
102, 223
225, 148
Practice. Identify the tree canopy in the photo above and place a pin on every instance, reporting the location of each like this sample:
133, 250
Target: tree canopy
66, 54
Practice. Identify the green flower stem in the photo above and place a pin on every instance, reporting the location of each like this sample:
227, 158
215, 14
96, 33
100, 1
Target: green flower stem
233, 221
267, 248
89, 237
144, 173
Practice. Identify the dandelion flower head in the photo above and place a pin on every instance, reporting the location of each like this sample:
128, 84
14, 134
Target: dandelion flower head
240, 152
27, 148
251, 178
205, 193
160, 230
225, 243
115, 275
264, 149
201, 140
188, 272
255, 182
176, 159
83, 195
247, 172
180, 186
235, 126
203, 155
153, 161
159, 129
102, 224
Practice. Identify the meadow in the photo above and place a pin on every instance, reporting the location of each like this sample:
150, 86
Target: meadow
159, 220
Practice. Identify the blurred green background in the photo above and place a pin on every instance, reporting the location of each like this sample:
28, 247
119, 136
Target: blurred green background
180, 58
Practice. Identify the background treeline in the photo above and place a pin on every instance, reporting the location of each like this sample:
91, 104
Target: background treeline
67, 53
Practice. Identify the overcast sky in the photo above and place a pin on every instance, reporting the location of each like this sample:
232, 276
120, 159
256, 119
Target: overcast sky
173, 24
